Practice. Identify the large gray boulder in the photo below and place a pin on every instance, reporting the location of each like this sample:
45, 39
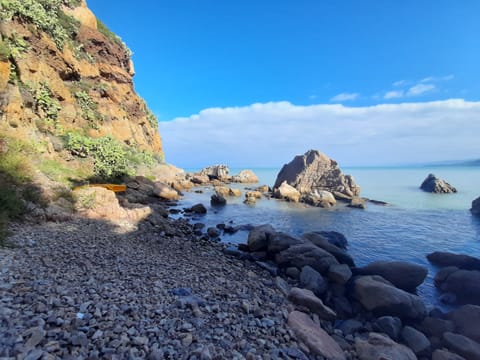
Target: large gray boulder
460, 261
258, 237
403, 275
462, 345
307, 299
312, 335
245, 176
435, 185
312, 280
280, 241
465, 284
306, 254
476, 206
382, 298
466, 320
415, 340
322, 242
314, 171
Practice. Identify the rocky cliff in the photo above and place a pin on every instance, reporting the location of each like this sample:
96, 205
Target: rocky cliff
61, 71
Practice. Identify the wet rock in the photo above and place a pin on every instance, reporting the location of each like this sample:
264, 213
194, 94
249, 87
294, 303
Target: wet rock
415, 340
306, 298
320, 240
389, 325
465, 284
245, 176
198, 209
378, 346
357, 203
435, 185
287, 192
432, 326
445, 355
476, 206
403, 275
258, 237
462, 345
317, 340
306, 254
382, 298
218, 200
466, 320
312, 280
339, 274
460, 261
350, 326
280, 241
335, 238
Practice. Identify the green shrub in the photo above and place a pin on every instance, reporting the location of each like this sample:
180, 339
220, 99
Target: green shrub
112, 159
46, 15
152, 118
4, 51
46, 105
89, 108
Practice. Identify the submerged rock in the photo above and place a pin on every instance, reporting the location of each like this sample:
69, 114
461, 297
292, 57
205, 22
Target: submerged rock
460, 261
435, 185
314, 171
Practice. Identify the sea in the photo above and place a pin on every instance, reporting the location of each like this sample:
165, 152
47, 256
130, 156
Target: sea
412, 225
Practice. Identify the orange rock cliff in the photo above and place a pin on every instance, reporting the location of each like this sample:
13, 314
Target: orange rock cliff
63, 71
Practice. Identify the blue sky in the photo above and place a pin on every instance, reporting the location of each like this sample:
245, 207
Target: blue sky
200, 58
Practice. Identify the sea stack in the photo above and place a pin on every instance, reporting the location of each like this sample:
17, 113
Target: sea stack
476, 207
315, 173
435, 185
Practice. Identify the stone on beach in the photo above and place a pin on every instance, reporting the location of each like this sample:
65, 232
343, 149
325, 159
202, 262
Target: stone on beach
258, 237
403, 275
382, 298
378, 346
307, 299
314, 337
467, 321
306, 254
320, 240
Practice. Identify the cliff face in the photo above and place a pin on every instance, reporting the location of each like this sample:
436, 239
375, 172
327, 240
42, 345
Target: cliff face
63, 71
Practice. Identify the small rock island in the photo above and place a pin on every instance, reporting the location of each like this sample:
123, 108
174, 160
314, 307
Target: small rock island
435, 185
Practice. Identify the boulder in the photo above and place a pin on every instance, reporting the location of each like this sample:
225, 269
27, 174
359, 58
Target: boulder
403, 275
335, 238
389, 325
322, 242
306, 298
433, 326
314, 337
313, 280
466, 320
339, 274
465, 284
357, 203
320, 198
220, 172
165, 192
460, 261
245, 176
350, 326
287, 192
199, 179
378, 346
222, 190
280, 241
476, 206
445, 355
316, 171
462, 345
415, 340
253, 194
306, 254
198, 209
382, 298
435, 185
258, 237
263, 188
234, 192
218, 200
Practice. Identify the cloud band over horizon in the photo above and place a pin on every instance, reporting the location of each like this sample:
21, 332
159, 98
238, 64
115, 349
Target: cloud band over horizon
271, 134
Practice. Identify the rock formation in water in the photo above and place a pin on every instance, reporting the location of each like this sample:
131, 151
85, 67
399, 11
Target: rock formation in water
476, 206
313, 174
435, 185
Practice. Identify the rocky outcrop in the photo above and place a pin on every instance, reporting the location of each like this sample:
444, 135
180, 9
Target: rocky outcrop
460, 261
435, 185
315, 171
476, 207
403, 275
76, 77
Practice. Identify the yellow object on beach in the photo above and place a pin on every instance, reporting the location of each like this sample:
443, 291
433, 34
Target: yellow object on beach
111, 187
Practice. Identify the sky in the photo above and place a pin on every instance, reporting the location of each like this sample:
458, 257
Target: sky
253, 83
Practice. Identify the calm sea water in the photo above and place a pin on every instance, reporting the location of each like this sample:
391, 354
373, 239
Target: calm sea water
413, 225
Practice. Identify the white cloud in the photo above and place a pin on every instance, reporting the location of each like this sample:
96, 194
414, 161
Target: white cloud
270, 134
395, 94
430, 79
420, 89
399, 83
345, 97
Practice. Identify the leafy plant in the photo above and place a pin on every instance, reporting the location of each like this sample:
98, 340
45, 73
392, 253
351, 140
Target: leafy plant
46, 15
89, 108
152, 118
112, 159
4, 51
46, 104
